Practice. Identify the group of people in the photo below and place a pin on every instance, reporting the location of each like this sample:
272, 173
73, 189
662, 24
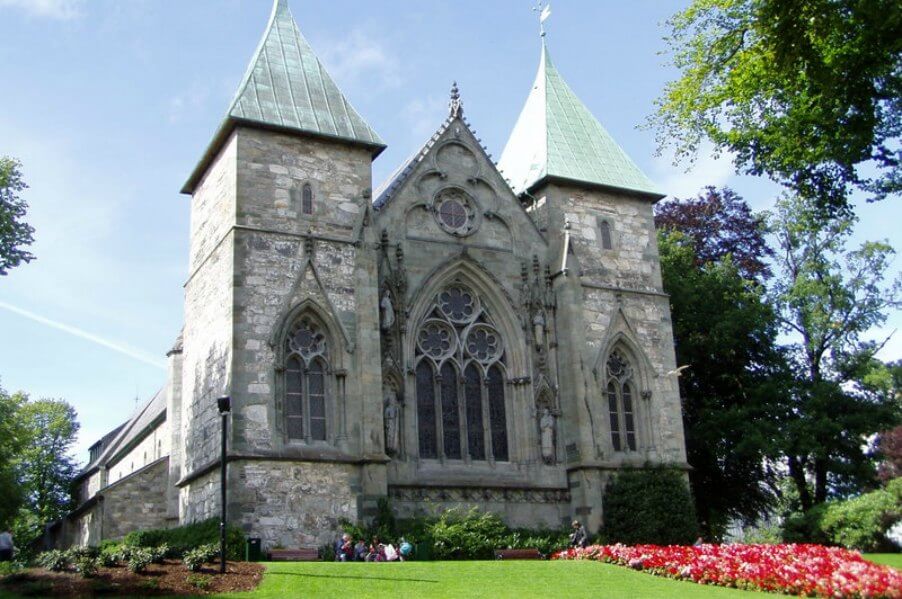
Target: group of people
376, 551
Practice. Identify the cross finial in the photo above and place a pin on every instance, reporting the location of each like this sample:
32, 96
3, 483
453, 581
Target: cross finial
544, 13
456, 106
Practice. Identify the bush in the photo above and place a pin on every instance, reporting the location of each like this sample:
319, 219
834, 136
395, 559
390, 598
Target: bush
183, 538
195, 558
649, 506
110, 554
859, 523
54, 560
467, 535
159, 553
200, 582
87, 566
139, 559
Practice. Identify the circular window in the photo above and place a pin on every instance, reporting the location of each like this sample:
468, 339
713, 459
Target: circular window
455, 211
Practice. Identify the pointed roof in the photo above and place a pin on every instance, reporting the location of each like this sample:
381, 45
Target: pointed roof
286, 87
557, 137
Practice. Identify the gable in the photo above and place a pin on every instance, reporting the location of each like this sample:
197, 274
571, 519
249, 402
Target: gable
451, 191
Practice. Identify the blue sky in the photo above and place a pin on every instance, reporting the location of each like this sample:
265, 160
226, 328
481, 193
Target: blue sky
109, 104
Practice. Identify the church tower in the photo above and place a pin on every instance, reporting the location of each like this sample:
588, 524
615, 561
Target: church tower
613, 319
281, 307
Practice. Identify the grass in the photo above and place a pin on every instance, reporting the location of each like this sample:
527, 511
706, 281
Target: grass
887, 559
474, 579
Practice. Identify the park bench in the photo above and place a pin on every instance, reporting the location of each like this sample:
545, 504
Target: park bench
305, 554
518, 554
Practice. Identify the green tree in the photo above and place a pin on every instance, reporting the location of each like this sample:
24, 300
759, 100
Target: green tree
827, 297
806, 92
15, 234
732, 391
45, 468
11, 443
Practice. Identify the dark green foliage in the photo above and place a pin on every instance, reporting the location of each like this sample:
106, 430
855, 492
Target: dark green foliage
806, 92
455, 534
858, 523
199, 581
733, 388
194, 559
190, 536
11, 494
15, 233
649, 506
87, 566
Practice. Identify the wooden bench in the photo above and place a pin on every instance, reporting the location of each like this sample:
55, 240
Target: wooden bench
306, 554
518, 554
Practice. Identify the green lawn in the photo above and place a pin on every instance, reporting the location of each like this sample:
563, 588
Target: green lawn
488, 579
889, 559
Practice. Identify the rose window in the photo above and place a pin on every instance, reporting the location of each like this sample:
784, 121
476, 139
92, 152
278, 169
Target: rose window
458, 304
484, 344
455, 212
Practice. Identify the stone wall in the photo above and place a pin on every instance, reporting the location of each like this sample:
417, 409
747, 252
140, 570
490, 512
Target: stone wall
136, 502
293, 504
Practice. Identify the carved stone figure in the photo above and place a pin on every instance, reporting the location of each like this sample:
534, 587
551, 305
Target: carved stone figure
538, 325
392, 416
546, 427
388, 311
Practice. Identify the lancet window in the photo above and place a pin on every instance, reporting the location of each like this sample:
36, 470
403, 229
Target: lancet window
460, 390
620, 393
307, 199
306, 388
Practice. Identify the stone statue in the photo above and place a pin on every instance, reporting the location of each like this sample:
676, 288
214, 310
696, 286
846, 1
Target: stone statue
388, 311
546, 427
392, 417
538, 327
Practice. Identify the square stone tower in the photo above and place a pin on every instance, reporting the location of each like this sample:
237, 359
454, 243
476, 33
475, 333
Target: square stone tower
281, 305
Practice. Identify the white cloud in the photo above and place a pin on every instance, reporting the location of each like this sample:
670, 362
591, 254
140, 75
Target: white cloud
680, 182
360, 59
82, 334
52, 9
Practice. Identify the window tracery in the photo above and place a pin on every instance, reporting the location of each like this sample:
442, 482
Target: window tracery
620, 393
460, 384
306, 389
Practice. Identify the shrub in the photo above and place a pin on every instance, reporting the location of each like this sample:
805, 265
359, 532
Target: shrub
467, 535
195, 558
200, 582
110, 555
159, 553
139, 559
649, 506
87, 566
190, 536
54, 560
859, 523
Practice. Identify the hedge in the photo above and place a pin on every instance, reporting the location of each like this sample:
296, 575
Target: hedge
190, 536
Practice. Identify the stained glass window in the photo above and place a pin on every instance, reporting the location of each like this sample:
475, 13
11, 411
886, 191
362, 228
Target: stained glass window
426, 427
621, 398
450, 412
497, 414
473, 395
306, 389
453, 214
458, 339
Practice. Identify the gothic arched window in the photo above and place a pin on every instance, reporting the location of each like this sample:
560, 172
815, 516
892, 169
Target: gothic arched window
605, 230
307, 199
460, 401
306, 391
621, 394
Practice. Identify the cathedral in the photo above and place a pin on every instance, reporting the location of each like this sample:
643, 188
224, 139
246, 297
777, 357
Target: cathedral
468, 333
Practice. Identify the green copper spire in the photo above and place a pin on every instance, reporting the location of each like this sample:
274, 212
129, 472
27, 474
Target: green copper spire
557, 137
287, 87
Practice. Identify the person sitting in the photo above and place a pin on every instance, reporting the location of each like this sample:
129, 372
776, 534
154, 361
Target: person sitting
391, 554
405, 549
376, 551
343, 548
360, 551
579, 537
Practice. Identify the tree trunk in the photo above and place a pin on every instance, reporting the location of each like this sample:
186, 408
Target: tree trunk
820, 480
797, 472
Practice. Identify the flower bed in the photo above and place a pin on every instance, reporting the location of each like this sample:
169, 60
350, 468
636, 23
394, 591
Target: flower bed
806, 570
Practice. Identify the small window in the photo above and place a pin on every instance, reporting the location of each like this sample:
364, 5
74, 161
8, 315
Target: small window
605, 231
307, 199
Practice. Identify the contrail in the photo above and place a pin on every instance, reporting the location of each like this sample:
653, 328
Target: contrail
135, 354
